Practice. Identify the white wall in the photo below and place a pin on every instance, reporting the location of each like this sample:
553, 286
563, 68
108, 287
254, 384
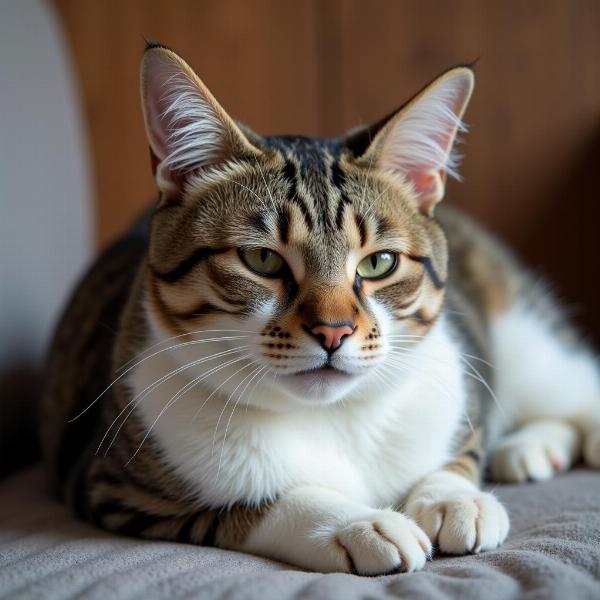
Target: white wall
45, 194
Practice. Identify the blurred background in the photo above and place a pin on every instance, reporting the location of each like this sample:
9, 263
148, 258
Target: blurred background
69, 77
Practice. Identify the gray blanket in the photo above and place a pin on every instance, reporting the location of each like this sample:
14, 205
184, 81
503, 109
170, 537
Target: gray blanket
553, 552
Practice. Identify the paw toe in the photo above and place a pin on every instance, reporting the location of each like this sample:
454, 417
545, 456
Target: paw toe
389, 543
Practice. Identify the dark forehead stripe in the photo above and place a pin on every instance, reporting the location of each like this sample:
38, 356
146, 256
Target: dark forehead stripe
339, 212
338, 179
382, 226
429, 268
257, 220
290, 175
204, 309
283, 224
187, 264
311, 160
362, 229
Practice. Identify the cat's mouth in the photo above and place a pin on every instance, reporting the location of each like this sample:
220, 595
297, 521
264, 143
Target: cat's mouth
327, 371
319, 385
326, 374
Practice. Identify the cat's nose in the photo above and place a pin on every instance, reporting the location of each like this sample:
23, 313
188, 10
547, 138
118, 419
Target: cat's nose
331, 335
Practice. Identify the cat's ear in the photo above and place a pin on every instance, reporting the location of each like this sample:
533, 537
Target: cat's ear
416, 141
187, 129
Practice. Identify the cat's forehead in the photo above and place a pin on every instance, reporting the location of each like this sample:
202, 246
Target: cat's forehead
309, 194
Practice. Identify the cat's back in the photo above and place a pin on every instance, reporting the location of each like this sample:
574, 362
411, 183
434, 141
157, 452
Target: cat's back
80, 358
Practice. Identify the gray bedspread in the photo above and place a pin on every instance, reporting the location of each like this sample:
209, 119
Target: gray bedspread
553, 552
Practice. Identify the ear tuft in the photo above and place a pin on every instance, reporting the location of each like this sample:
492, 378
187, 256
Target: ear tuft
151, 45
196, 137
187, 129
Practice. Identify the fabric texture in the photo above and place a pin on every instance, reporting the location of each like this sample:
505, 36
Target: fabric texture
553, 552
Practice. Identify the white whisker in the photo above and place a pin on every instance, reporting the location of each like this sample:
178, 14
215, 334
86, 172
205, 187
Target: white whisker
137, 364
163, 410
150, 388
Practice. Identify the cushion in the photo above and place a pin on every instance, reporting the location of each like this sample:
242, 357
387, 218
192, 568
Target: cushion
553, 551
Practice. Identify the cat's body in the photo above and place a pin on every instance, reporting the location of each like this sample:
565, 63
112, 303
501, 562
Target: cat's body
205, 437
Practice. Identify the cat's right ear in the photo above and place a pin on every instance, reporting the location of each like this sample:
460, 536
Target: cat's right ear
188, 130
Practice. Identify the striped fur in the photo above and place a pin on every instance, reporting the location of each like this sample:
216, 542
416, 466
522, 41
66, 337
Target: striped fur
171, 330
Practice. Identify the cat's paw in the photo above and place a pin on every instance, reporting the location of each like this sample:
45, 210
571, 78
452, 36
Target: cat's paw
536, 452
383, 542
591, 449
464, 522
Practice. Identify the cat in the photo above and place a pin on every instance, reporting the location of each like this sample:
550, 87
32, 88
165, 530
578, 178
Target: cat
290, 357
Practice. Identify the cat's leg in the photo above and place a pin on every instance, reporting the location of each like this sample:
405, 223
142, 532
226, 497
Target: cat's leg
548, 387
323, 530
536, 451
458, 517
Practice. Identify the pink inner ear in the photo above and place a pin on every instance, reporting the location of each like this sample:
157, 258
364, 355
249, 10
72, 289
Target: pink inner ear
418, 142
428, 184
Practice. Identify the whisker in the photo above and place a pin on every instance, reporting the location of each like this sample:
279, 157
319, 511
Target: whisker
262, 201
428, 379
252, 375
228, 400
475, 374
137, 364
265, 182
184, 389
371, 206
150, 388
181, 335
163, 410
218, 388
409, 340
255, 386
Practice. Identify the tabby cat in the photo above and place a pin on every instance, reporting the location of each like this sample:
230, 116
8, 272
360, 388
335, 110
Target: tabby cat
291, 355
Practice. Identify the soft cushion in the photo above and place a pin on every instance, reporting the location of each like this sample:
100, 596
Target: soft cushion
553, 551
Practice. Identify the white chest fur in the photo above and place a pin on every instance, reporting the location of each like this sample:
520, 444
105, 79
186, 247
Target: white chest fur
373, 447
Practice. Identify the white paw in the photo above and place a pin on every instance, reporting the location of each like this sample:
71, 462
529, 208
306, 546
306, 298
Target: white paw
463, 522
591, 449
536, 452
384, 541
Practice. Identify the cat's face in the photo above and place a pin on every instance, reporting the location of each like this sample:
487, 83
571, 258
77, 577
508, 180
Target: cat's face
300, 264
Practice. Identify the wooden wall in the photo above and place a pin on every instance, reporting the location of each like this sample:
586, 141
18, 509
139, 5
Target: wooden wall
319, 67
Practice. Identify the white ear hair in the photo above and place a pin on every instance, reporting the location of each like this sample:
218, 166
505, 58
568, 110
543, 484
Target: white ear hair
417, 142
195, 136
187, 129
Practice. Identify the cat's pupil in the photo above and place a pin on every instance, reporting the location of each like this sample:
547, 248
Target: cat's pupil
263, 255
374, 261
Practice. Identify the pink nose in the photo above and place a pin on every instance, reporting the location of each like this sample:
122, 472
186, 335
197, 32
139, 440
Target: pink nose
331, 336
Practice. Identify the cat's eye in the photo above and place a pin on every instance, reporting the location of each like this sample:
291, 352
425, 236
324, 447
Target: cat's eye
263, 261
377, 265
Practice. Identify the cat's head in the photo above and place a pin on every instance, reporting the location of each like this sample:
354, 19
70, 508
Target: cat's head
302, 261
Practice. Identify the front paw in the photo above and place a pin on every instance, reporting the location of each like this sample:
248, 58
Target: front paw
536, 452
463, 522
382, 542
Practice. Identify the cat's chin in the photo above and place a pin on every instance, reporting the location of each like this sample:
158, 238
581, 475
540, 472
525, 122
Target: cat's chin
320, 386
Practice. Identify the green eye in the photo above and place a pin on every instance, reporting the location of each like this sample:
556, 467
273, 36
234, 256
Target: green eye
377, 265
263, 261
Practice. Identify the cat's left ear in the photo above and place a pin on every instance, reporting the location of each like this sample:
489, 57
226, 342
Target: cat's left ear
417, 140
188, 130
